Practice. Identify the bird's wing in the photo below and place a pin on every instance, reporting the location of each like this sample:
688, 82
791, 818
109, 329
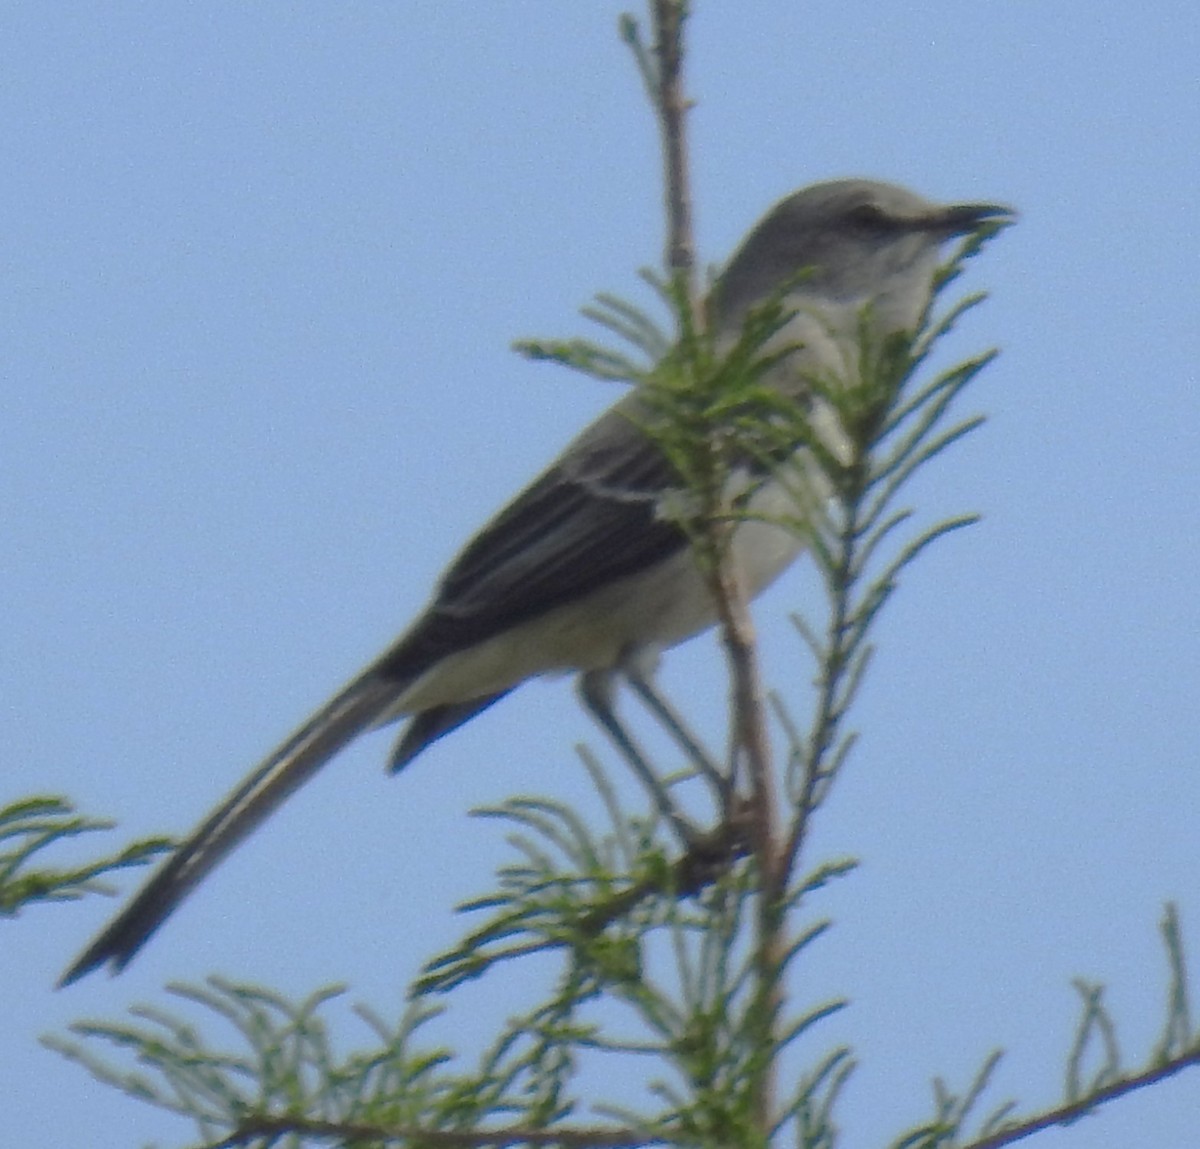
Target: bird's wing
592, 518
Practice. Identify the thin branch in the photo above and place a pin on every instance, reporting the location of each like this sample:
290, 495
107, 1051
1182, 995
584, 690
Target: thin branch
1065, 1114
576, 1138
669, 18
833, 665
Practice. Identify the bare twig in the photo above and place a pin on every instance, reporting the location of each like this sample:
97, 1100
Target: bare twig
669, 18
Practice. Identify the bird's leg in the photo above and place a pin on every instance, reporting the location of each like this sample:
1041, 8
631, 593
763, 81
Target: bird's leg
639, 669
596, 692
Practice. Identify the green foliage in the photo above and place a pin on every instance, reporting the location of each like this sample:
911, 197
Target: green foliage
948, 1128
287, 1065
673, 963
29, 827
1094, 1073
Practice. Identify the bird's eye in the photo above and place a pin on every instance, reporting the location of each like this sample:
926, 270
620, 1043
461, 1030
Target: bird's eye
868, 217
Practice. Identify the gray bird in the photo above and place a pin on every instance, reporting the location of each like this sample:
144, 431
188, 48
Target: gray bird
583, 569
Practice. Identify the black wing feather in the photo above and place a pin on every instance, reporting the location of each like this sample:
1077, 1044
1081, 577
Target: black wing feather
591, 518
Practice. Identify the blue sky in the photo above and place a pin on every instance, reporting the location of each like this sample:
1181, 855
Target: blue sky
261, 268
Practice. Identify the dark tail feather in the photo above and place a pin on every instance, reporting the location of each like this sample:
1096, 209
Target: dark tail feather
430, 725
279, 776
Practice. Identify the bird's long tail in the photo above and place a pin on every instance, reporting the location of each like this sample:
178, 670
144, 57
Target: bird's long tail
279, 775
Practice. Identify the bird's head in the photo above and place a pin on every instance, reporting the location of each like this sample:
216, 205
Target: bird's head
849, 243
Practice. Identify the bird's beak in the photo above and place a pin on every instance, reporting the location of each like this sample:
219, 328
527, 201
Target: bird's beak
962, 218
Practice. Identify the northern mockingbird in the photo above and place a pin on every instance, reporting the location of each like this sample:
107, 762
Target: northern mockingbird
584, 568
